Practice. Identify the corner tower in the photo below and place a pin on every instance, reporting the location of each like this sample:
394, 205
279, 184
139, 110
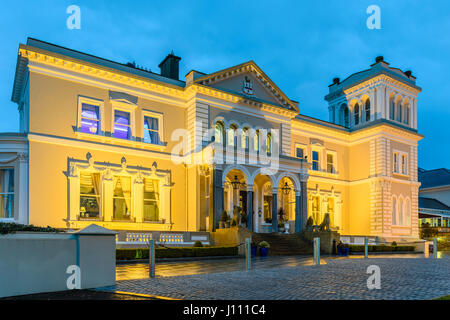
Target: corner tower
380, 92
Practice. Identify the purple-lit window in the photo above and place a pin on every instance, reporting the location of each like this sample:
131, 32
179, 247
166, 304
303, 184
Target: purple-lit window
90, 120
151, 130
122, 128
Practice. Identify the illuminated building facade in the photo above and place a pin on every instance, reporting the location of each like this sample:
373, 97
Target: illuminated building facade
128, 149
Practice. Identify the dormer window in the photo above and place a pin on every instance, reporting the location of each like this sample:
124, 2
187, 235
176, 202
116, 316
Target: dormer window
356, 114
367, 110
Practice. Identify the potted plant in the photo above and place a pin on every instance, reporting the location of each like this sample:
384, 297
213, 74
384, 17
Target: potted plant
253, 247
309, 223
281, 226
264, 247
223, 219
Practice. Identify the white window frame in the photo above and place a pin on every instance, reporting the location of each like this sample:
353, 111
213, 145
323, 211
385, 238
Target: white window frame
153, 114
120, 106
398, 169
101, 111
320, 160
10, 219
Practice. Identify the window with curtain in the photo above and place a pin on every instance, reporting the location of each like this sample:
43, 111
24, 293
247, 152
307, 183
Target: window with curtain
400, 212
218, 132
90, 118
404, 167
394, 211
244, 139
330, 163
316, 210
122, 124
89, 195
122, 198
356, 109
151, 200
256, 141
7, 192
231, 134
330, 210
151, 130
396, 162
315, 160
269, 143
367, 110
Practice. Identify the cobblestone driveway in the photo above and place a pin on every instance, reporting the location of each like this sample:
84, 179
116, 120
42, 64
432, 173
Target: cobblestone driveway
401, 278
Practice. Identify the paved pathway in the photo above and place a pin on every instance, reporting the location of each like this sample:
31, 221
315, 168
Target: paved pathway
401, 278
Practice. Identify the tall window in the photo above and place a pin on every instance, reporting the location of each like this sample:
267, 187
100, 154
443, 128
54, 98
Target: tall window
330, 163
407, 212
396, 162
231, 134
367, 110
151, 200
269, 143
315, 160
356, 114
244, 139
256, 141
406, 116
7, 192
89, 195
218, 132
122, 198
400, 212
394, 211
399, 112
392, 109
90, 118
404, 167
344, 115
151, 130
330, 210
122, 125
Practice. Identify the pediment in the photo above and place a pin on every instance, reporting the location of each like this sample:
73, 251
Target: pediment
250, 81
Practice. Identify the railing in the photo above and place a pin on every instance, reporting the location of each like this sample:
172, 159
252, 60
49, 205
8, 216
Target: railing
135, 237
169, 238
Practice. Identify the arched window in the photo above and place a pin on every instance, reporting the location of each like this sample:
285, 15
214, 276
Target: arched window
231, 134
256, 141
407, 212
399, 111
269, 143
367, 110
392, 109
244, 138
344, 115
394, 211
400, 212
356, 109
406, 114
218, 132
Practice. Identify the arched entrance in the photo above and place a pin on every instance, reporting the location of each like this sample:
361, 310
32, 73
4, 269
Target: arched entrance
235, 191
265, 204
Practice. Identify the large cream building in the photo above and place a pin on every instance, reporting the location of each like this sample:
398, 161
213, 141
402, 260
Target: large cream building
128, 149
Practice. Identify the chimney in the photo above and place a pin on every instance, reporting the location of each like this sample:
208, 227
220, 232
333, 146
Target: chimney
408, 73
170, 66
379, 59
336, 80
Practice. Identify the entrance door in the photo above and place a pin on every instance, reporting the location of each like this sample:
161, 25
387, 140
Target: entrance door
243, 201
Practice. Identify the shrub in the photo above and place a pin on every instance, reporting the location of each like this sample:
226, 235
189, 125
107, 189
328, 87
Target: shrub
381, 248
264, 244
198, 244
6, 228
394, 244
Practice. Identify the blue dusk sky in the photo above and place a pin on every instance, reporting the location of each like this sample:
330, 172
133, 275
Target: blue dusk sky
301, 45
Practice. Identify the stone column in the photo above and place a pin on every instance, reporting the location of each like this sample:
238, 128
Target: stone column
250, 209
218, 198
298, 212
303, 197
275, 210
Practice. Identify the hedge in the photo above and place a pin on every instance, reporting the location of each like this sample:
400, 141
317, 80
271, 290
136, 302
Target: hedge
6, 228
181, 252
381, 248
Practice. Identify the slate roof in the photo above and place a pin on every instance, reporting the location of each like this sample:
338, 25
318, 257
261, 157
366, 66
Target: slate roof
434, 178
431, 203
